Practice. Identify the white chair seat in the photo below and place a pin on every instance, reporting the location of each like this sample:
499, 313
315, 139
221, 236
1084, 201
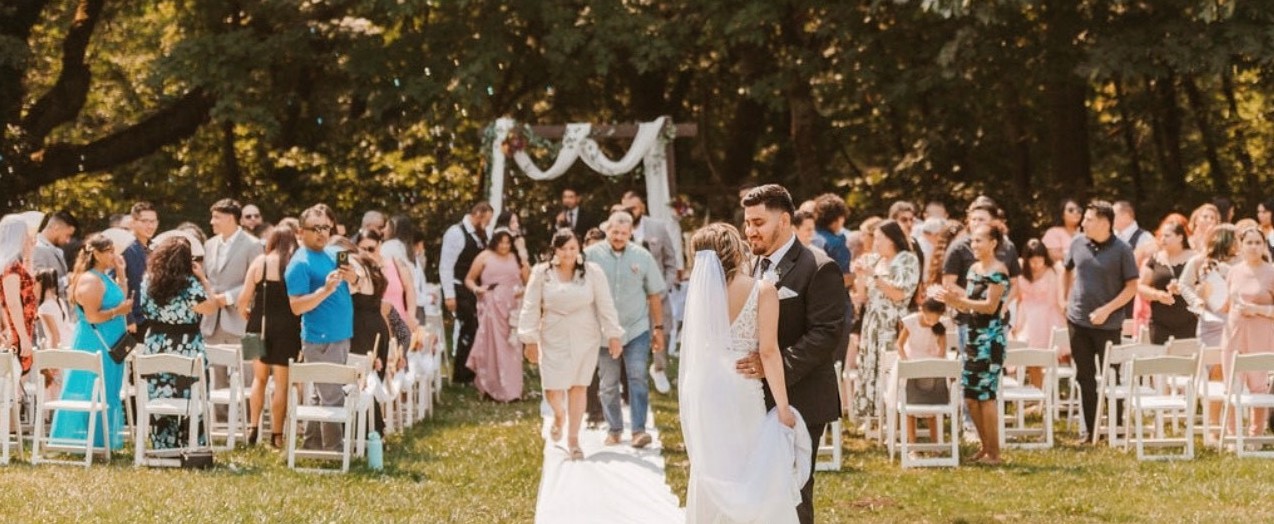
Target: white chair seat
1009, 382
219, 395
169, 406
924, 410
1212, 390
74, 405
1257, 400
1123, 392
322, 413
1026, 393
1160, 403
1065, 372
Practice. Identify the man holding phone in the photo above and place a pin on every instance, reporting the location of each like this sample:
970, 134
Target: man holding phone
318, 280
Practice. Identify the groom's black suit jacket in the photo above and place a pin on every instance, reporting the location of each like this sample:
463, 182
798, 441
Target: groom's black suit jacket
810, 325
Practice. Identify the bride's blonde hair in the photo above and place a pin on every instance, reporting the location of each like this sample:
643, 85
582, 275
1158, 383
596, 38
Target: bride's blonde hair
728, 244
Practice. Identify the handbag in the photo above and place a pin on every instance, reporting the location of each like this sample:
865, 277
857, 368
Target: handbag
122, 347
254, 343
195, 458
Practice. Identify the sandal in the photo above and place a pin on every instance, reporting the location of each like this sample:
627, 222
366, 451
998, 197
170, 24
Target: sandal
555, 432
253, 436
576, 452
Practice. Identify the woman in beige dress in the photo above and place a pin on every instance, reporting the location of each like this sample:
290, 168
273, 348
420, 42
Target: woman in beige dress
566, 313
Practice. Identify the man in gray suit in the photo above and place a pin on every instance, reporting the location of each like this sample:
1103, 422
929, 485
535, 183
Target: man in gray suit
661, 239
58, 230
227, 255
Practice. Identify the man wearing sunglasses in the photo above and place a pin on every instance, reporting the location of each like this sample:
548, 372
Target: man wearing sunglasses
319, 291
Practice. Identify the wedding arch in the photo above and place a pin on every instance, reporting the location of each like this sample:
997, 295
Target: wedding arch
651, 147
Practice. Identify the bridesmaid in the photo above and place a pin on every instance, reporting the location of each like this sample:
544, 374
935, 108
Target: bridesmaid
100, 306
497, 277
1250, 323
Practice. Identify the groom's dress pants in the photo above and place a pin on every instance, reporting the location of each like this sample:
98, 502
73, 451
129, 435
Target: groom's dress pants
805, 511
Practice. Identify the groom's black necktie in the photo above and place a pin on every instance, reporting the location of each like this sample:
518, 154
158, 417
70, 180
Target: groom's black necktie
765, 266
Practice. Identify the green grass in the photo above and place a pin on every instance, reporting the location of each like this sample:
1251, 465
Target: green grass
479, 461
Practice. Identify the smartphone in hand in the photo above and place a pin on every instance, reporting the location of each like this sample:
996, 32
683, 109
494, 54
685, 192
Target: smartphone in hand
342, 258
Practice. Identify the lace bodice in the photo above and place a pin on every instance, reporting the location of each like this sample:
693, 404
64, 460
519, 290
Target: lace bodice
743, 338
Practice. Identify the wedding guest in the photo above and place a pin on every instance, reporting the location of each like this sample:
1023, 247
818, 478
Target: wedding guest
1265, 221
512, 223
264, 304
460, 245
662, 238
568, 312
96, 292
923, 334
830, 213
175, 294
18, 299
803, 223
1250, 322
227, 256
1040, 306
371, 332
983, 298
400, 284
373, 221
1202, 220
1159, 285
318, 291
55, 320
1203, 278
888, 278
145, 222
1101, 276
497, 277
572, 216
637, 285
58, 231
1058, 238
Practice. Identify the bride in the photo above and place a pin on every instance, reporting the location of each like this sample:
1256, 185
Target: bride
745, 465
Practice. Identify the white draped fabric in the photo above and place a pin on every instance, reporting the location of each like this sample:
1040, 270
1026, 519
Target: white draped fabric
648, 147
745, 466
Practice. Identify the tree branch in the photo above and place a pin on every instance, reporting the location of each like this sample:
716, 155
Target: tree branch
166, 126
66, 98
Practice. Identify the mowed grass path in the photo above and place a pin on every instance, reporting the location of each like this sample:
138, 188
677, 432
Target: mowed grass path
475, 461
480, 462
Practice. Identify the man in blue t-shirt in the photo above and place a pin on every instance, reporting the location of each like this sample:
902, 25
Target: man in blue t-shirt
319, 292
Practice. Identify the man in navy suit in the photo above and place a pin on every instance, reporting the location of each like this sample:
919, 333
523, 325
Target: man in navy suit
811, 316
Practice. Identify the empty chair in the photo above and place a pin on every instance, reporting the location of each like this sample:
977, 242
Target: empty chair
943, 369
194, 409
305, 375
95, 406
1022, 394
1114, 387
1070, 407
1211, 393
1241, 395
10, 405
232, 395
1163, 399
828, 457
366, 398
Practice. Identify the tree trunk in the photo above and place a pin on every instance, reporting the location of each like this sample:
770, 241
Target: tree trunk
1065, 97
1020, 145
806, 139
1250, 184
230, 161
1199, 108
1130, 142
1167, 133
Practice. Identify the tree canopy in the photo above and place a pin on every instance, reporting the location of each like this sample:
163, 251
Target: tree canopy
383, 103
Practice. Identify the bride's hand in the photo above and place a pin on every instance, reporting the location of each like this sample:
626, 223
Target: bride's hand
786, 417
750, 366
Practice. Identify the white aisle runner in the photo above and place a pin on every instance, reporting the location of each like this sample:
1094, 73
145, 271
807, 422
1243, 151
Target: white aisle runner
612, 484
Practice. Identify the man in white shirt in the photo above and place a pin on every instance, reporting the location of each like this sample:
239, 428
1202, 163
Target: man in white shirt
1141, 241
460, 246
227, 255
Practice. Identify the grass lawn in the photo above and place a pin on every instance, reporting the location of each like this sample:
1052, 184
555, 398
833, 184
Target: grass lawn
480, 462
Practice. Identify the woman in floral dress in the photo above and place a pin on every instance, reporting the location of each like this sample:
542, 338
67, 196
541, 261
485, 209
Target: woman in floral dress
889, 278
174, 298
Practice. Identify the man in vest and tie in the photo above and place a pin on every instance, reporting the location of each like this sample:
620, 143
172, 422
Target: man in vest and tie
573, 216
460, 245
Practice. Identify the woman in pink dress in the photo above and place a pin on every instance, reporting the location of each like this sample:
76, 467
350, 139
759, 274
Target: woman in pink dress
1058, 238
1039, 303
497, 277
1250, 324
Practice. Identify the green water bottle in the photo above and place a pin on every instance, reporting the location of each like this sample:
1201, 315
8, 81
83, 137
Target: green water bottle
375, 452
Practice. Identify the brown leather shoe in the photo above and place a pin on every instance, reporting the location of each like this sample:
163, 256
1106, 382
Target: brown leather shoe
612, 439
641, 440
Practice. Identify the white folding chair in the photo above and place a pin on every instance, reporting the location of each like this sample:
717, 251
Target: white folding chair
306, 375
195, 408
67, 360
233, 395
1163, 399
1012, 380
1022, 394
1238, 399
1210, 393
10, 404
938, 368
1186, 347
366, 398
829, 443
1068, 407
879, 428
1114, 386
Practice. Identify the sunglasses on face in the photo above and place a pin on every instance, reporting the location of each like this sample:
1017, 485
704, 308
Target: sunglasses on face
251, 216
318, 229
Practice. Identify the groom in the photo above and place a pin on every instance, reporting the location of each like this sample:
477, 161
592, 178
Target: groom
811, 316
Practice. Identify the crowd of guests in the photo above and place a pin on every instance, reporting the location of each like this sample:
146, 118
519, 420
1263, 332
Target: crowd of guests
306, 292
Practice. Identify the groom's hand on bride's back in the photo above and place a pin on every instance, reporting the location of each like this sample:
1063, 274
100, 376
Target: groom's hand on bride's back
750, 366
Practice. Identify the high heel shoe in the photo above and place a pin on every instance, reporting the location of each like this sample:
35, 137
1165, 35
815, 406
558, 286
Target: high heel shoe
253, 437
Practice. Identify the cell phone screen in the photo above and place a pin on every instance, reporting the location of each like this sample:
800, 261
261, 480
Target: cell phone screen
342, 258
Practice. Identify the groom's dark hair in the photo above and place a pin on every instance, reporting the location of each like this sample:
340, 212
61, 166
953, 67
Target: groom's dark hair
773, 196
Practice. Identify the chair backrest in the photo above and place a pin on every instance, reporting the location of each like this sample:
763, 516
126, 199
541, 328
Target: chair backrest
1252, 362
1210, 356
9, 366
168, 363
1011, 345
1174, 365
1059, 338
1044, 358
322, 373
1186, 347
928, 368
1128, 329
1127, 352
227, 355
70, 359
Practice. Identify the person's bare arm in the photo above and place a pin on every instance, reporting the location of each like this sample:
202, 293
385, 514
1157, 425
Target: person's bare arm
767, 315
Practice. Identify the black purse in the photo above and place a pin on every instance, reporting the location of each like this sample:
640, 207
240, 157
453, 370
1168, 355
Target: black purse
121, 348
254, 343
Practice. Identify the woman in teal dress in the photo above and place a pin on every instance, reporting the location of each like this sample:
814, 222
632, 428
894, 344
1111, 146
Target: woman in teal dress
99, 303
987, 289
174, 299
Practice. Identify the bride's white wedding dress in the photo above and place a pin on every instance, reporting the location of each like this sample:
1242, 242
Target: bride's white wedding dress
745, 466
